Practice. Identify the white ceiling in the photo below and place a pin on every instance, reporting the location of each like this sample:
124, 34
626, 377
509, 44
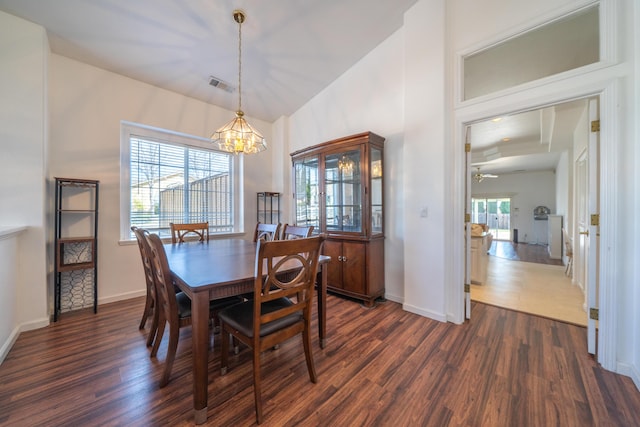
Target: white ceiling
291, 49
534, 139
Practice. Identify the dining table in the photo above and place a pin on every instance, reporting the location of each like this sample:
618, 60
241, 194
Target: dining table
214, 269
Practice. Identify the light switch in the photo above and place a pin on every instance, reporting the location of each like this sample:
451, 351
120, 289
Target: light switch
424, 212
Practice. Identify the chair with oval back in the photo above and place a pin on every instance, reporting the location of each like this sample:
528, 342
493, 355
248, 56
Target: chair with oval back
272, 316
179, 231
266, 232
296, 232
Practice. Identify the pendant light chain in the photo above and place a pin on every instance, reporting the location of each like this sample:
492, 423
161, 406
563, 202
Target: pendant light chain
240, 64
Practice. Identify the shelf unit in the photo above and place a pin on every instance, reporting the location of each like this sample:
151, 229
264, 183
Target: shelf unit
338, 189
268, 205
76, 245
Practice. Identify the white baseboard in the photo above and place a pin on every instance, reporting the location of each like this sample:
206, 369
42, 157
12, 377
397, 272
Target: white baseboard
441, 317
121, 297
394, 298
41, 323
6, 346
631, 371
11, 339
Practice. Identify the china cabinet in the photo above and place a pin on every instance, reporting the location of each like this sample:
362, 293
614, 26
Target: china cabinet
338, 188
76, 231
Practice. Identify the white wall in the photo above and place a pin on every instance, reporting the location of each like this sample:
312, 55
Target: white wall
634, 365
368, 97
527, 191
564, 182
23, 281
87, 105
9, 284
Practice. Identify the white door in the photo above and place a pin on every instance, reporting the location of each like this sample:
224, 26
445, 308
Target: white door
591, 230
467, 225
582, 224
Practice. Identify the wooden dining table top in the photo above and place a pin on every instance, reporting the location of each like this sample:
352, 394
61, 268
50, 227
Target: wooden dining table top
215, 265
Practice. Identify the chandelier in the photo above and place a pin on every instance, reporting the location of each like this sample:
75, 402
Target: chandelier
238, 136
345, 164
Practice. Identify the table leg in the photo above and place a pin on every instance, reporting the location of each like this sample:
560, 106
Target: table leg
322, 306
200, 333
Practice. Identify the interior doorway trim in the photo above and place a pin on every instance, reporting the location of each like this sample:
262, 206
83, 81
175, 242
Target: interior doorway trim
607, 88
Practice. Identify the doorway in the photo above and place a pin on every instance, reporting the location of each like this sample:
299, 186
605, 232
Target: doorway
606, 87
527, 174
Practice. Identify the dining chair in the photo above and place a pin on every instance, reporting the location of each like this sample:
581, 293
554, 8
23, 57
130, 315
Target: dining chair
266, 232
295, 232
151, 300
179, 231
272, 317
568, 251
173, 308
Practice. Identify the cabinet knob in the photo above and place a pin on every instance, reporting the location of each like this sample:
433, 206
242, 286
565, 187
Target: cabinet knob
339, 257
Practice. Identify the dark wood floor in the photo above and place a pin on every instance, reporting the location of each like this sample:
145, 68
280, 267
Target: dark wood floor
381, 367
522, 252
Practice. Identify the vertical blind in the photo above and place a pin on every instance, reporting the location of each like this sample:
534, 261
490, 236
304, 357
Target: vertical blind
181, 184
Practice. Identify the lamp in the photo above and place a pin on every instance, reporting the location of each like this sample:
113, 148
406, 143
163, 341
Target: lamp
238, 136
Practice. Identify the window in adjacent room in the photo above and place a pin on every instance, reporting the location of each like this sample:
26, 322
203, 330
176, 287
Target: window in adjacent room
168, 177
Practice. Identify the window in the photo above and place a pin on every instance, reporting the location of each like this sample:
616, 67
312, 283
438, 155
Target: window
564, 44
168, 177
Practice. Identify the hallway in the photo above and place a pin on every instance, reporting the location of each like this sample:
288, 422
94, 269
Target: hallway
537, 287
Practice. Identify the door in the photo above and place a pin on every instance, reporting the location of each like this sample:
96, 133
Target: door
343, 191
333, 249
467, 225
592, 228
588, 219
347, 269
353, 268
307, 193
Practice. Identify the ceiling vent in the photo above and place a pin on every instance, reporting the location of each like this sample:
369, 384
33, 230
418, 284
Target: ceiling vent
216, 82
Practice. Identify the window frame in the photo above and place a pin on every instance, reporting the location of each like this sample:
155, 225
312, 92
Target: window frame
130, 129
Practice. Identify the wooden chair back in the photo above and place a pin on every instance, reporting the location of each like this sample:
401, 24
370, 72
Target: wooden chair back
568, 248
169, 309
266, 232
273, 262
283, 269
179, 231
150, 308
165, 292
295, 232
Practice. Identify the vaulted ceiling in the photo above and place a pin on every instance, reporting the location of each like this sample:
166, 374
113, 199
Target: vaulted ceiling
291, 49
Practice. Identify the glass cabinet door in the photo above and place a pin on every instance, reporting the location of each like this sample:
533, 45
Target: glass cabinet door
375, 169
343, 192
307, 203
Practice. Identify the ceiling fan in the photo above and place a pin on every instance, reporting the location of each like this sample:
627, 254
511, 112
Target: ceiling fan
479, 177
